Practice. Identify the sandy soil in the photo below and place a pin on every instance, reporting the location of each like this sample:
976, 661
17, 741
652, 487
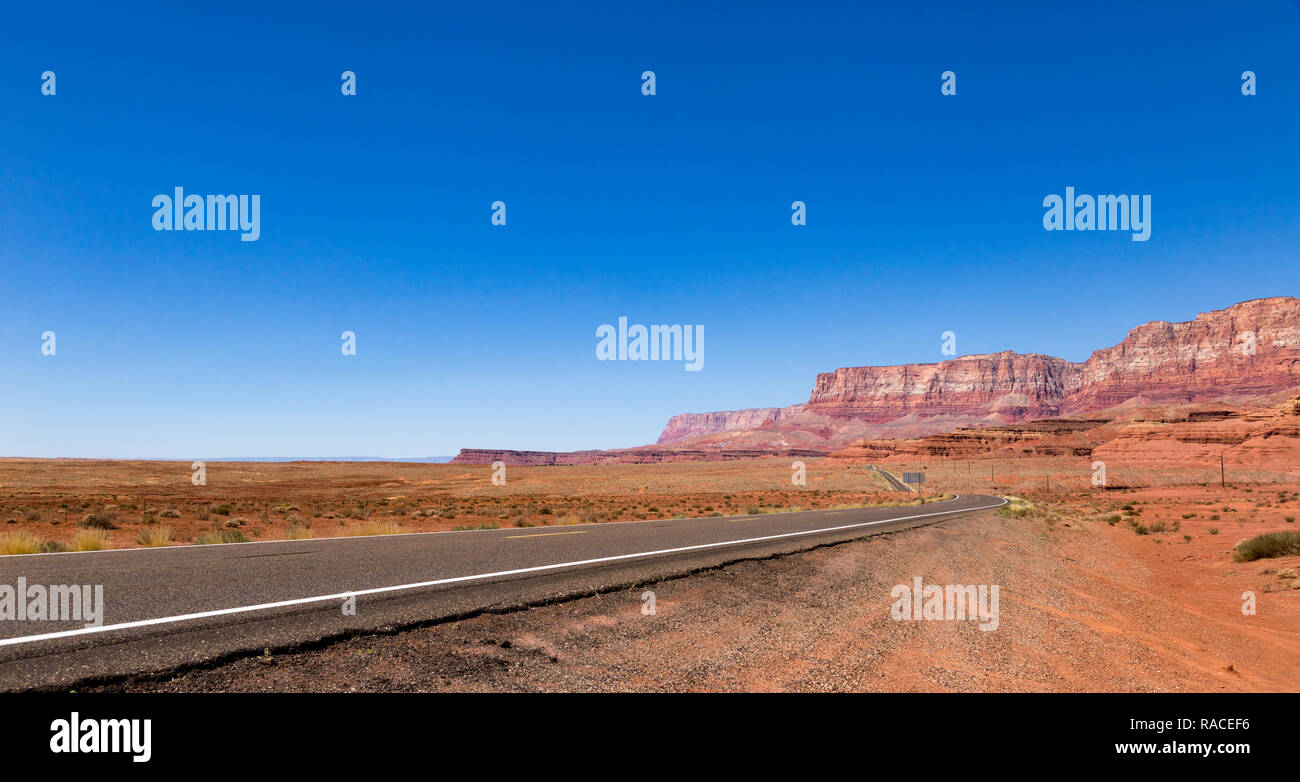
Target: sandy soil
52, 498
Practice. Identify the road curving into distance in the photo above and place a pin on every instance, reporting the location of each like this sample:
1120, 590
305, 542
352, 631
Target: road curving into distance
168, 608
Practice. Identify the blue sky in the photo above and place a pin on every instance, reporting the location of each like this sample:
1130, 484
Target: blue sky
924, 211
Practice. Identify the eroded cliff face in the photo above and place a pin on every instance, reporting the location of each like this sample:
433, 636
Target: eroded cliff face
1017, 386
1250, 349
680, 427
1247, 350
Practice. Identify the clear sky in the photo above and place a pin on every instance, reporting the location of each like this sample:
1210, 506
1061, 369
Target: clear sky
924, 211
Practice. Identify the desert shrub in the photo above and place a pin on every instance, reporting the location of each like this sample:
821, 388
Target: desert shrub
297, 532
1213, 530
32, 514
155, 537
484, 525
374, 528
220, 536
1270, 544
236, 522
1290, 519
224, 509
89, 540
1016, 508
170, 513
20, 543
1112, 520
105, 520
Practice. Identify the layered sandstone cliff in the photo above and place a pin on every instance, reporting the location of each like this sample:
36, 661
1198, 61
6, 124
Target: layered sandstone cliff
1016, 386
680, 427
1247, 350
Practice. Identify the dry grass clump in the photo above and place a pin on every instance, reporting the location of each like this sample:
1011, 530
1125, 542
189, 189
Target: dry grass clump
155, 537
21, 542
1016, 507
89, 540
297, 532
374, 528
217, 536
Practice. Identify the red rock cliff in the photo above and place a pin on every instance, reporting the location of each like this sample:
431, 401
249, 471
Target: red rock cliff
686, 425
1014, 385
1205, 359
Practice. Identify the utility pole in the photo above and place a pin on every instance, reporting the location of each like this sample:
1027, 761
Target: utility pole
1222, 481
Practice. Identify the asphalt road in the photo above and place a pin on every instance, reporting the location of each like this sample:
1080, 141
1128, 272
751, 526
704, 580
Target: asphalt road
890, 479
169, 608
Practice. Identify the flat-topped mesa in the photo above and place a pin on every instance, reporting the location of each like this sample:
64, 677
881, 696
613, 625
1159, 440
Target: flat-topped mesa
642, 455
679, 427
1015, 386
1249, 349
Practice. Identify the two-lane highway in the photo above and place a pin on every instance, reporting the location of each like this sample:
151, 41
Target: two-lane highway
185, 605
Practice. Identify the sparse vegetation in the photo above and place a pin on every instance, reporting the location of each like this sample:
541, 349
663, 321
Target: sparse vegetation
155, 537
89, 540
1016, 508
21, 542
374, 528
1270, 544
104, 520
217, 536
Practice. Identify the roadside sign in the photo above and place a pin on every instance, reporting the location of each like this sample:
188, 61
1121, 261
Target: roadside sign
913, 477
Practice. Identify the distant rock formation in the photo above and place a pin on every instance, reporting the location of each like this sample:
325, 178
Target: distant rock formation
1247, 350
695, 424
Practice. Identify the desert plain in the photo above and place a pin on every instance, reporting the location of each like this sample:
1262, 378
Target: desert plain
1135, 585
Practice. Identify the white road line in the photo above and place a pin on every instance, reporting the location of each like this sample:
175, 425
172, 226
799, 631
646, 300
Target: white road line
456, 579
